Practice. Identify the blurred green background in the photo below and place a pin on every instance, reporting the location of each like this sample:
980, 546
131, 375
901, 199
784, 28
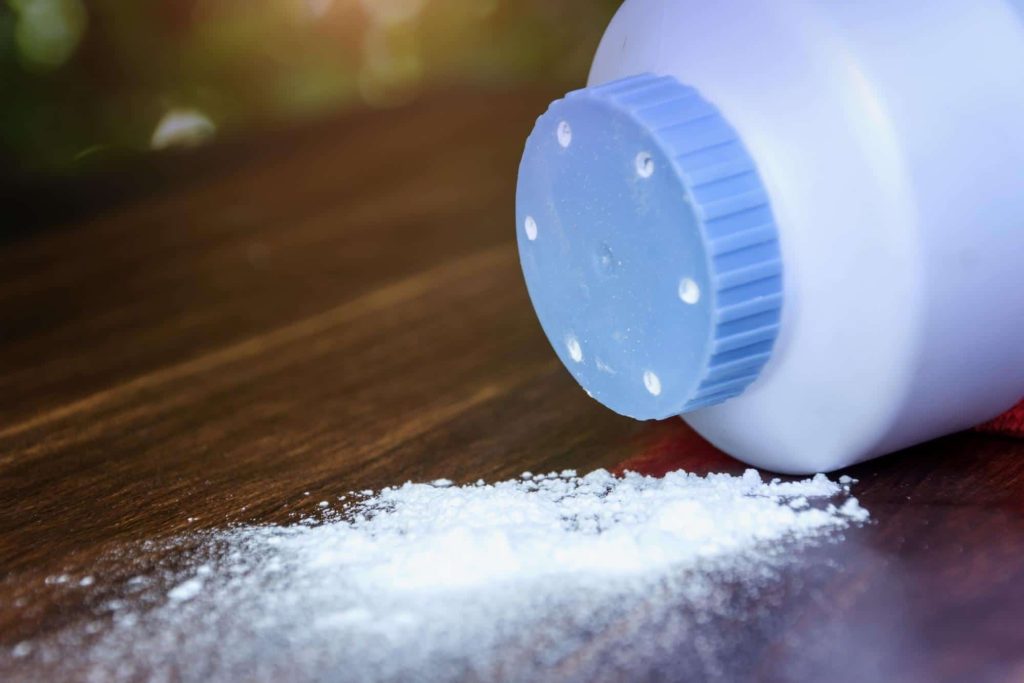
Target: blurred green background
82, 79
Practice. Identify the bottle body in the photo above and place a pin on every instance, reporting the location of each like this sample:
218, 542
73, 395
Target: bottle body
889, 139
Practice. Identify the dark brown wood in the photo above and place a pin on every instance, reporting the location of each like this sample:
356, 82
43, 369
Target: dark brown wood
345, 311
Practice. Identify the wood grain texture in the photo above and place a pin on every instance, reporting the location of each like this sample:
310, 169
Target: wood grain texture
343, 311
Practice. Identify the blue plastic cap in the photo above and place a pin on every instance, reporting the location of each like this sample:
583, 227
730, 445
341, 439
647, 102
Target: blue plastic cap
649, 247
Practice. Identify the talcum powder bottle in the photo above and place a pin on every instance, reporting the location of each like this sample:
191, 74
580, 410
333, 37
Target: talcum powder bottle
799, 224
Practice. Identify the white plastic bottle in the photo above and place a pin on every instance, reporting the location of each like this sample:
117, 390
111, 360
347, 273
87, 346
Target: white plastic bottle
798, 223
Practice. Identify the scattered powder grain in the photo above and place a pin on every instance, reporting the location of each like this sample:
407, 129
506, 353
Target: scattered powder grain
544, 577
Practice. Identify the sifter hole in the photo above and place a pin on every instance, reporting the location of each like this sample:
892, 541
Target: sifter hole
564, 134
644, 165
689, 291
652, 382
575, 350
530, 226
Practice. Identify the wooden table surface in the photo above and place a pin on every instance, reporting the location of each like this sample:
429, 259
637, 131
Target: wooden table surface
344, 310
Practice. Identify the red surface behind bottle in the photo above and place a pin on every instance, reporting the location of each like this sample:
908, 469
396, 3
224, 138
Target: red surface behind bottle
1010, 423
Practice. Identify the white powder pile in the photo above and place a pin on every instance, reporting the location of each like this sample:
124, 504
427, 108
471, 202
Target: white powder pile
542, 577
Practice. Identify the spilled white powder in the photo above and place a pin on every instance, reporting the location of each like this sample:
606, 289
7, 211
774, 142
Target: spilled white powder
546, 577
186, 590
